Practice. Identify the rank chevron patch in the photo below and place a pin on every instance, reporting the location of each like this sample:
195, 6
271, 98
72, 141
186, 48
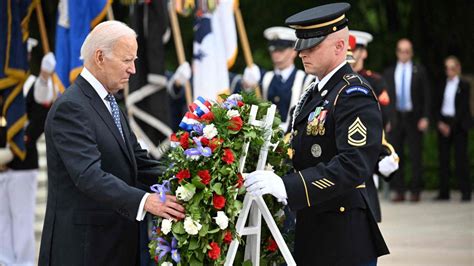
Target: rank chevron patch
357, 133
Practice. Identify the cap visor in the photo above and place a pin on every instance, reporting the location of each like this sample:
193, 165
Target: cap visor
302, 44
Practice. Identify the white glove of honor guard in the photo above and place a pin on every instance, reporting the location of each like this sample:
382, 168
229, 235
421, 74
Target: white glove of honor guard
389, 164
48, 63
6, 155
183, 73
262, 182
251, 75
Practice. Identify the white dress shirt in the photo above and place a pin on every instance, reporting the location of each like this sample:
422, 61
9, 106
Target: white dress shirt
407, 102
284, 73
102, 92
448, 108
326, 78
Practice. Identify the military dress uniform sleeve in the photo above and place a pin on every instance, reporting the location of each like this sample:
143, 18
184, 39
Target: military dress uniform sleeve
358, 133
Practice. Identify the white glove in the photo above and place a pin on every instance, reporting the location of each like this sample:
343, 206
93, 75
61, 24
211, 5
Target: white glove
183, 73
48, 63
6, 155
251, 75
389, 164
263, 182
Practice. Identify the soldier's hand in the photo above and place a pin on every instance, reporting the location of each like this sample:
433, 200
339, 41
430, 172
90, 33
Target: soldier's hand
182, 74
170, 209
251, 76
389, 164
6, 155
261, 182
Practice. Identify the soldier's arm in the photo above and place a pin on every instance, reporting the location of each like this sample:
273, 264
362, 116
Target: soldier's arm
358, 129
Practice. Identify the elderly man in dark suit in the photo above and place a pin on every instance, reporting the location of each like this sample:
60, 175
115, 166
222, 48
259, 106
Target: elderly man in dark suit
95, 164
453, 122
408, 89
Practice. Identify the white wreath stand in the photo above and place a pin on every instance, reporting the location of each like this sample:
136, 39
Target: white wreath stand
256, 206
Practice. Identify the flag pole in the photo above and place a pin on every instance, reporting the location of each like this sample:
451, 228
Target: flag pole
42, 28
178, 43
244, 41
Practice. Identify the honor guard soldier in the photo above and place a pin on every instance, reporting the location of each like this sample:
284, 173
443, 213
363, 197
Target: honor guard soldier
336, 138
388, 159
360, 53
284, 84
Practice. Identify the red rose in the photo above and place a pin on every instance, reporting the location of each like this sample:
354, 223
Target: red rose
240, 103
228, 156
205, 176
215, 251
272, 245
209, 117
205, 141
236, 123
182, 175
228, 237
184, 140
173, 137
240, 180
215, 143
218, 201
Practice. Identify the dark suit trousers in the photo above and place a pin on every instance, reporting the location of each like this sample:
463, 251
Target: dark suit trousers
406, 133
459, 139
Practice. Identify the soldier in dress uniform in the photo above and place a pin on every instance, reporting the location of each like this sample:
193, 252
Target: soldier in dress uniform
20, 176
388, 159
284, 84
337, 138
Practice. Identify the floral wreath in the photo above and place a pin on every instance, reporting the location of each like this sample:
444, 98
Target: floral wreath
202, 171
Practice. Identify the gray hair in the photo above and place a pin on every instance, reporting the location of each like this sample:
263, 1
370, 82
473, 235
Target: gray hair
103, 37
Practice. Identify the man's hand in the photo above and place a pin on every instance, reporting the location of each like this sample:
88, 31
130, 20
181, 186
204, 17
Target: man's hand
182, 74
48, 63
170, 209
266, 182
6, 155
423, 124
444, 129
251, 76
389, 164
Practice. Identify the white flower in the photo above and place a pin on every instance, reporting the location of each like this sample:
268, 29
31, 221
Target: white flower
269, 167
166, 226
235, 97
184, 194
221, 220
210, 131
167, 263
191, 227
232, 113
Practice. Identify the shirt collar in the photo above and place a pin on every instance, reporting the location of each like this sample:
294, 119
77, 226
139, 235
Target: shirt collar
285, 73
98, 87
326, 78
453, 80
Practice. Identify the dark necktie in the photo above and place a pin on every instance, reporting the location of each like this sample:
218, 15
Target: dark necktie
115, 112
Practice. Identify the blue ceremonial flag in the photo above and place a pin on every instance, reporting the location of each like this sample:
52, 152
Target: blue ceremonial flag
14, 68
214, 49
76, 18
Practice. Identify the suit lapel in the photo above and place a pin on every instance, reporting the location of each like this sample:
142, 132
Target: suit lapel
127, 134
103, 112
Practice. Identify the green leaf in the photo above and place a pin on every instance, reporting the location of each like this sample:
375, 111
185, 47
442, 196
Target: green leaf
196, 181
213, 231
247, 263
193, 244
178, 228
217, 187
204, 230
